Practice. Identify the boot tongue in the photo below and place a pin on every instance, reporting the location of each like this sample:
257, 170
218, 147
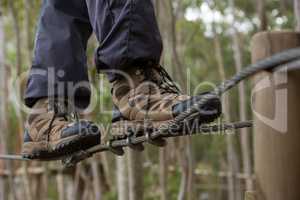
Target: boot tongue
131, 79
42, 103
162, 79
135, 76
40, 107
153, 74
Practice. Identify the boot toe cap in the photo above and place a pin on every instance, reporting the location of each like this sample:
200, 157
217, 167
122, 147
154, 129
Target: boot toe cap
213, 106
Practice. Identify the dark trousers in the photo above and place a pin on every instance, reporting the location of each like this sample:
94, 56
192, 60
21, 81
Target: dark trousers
127, 32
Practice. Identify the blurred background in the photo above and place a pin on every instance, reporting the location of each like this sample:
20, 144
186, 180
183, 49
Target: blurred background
205, 42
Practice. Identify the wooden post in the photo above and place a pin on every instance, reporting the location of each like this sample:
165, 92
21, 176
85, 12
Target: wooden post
277, 121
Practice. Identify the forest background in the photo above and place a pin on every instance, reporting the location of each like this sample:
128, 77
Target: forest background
205, 42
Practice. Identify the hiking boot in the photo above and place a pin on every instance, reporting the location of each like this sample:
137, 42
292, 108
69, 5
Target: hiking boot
150, 94
50, 134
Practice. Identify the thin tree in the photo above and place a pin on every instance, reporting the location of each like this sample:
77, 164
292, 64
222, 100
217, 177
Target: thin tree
226, 109
244, 137
17, 31
163, 166
135, 175
163, 174
28, 27
185, 153
122, 178
97, 186
3, 111
297, 13
232, 158
60, 186
262, 14
2, 106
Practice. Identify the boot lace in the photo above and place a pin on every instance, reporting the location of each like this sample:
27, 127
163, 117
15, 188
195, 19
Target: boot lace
164, 81
60, 115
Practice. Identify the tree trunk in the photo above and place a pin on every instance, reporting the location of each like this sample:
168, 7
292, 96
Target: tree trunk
190, 159
27, 182
60, 186
244, 137
70, 186
232, 159
233, 166
106, 168
16, 25
285, 5
97, 186
226, 110
163, 170
244, 133
3, 194
186, 159
297, 13
122, 178
135, 175
163, 165
262, 14
180, 76
183, 162
28, 25
8, 165
78, 187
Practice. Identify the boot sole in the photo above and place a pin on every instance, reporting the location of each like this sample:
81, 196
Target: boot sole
60, 149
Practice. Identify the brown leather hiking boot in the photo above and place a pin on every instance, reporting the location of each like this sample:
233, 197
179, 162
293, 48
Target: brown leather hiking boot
150, 94
49, 134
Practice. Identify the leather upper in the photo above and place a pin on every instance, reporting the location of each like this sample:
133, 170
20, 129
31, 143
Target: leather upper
137, 98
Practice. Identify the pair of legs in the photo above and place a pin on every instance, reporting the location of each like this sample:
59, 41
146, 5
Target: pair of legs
129, 44
127, 32
128, 35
